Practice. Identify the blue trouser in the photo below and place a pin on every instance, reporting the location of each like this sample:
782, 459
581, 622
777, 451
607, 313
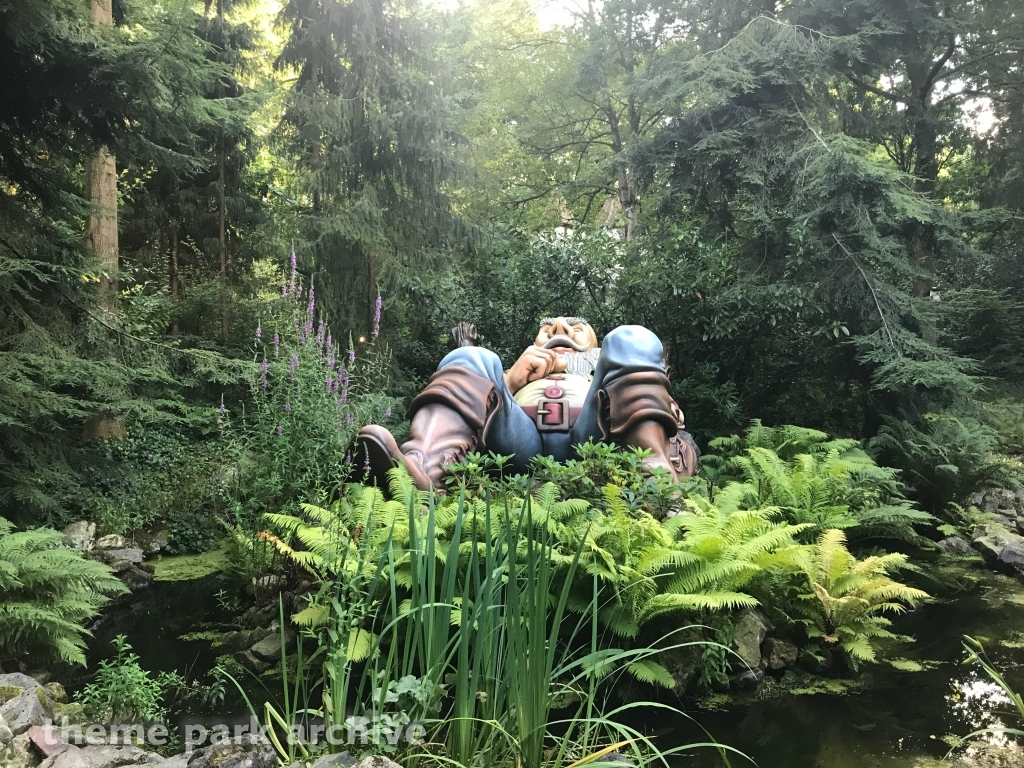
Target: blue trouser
627, 349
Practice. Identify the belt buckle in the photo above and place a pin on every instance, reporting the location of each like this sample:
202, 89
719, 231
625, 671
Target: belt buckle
560, 411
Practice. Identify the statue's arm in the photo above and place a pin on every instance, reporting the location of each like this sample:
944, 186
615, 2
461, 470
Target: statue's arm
535, 363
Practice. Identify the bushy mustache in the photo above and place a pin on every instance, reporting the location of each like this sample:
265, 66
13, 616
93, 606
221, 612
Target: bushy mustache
565, 341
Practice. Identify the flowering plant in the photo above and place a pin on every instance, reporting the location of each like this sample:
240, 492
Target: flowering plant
308, 405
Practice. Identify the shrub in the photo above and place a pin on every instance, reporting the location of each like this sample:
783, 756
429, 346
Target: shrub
946, 458
310, 400
811, 479
844, 599
467, 633
47, 593
123, 692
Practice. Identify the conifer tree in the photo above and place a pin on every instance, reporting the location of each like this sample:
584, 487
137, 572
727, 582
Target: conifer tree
368, 126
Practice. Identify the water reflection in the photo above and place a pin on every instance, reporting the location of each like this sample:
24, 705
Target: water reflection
977, 702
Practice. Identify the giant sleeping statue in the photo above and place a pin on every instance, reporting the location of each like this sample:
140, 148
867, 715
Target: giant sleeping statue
562, 391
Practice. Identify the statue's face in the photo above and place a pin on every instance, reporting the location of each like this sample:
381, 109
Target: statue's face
566, 335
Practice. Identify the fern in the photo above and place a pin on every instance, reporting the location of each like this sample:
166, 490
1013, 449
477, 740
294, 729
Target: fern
813, 480
845, 599
47, 593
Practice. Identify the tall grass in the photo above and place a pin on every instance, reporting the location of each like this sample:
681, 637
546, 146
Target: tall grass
502, 675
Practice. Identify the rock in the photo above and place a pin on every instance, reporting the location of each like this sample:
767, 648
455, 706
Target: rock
150, 542
1012, 558
1007, 521
269, 648
110, 541
748, 679
990, 538
80, 535
748, 633
45, 739
6, 734
18, 754
245, 751
779, 654
248, 660
135, 578
116, 755
31, 707
119, 566
132, 554
340, 760
232, 642
69, 756
375, 761
15, 683
957, 547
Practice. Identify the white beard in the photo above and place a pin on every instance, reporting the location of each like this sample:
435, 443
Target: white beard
582, 363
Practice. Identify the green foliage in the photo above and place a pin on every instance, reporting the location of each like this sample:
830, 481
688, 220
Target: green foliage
123, 692
310, 397
697, 561
844, 599
601, 465
946, 458
48, 593
460, 613
811, 479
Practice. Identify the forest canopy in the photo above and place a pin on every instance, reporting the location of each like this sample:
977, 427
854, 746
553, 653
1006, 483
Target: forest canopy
816, 205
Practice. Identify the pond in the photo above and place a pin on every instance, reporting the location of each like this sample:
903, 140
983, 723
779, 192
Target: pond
888, 719
893, 718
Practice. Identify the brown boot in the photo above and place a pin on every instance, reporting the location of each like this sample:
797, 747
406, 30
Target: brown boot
636, 410
450, 418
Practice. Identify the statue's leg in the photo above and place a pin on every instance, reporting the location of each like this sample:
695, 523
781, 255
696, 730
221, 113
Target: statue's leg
464, 407
630, 403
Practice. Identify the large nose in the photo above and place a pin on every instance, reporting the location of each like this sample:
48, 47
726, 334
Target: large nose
561, 327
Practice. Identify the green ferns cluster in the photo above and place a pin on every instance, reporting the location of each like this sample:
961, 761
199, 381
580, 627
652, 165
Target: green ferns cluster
711, 554
47, 593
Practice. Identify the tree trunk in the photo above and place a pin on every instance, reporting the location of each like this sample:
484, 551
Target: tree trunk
173, 275
926, 145
101, 188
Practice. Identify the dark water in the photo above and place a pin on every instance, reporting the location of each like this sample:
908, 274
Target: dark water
153, 623
893, 719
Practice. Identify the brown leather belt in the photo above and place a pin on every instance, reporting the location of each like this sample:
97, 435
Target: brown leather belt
552, 415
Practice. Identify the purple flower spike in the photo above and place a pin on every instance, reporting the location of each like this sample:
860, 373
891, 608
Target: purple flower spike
376, 317
279, 431
328, 343
294, 269
348, 419
277, 343
348, 459
335, 388
312, 303
287, 406
351, 355
387, 414
223, 410
366, 464
259, 332
293, 363
284, 288
329, 383
264, 366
